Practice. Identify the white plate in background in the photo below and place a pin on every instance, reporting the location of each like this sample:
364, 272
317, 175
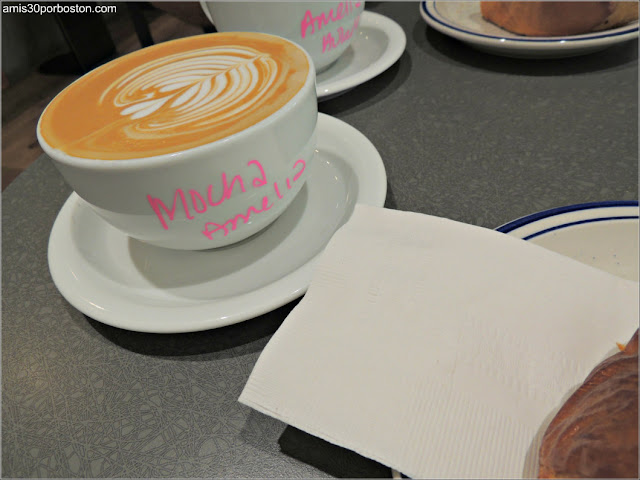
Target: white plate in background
601, 234
463, 21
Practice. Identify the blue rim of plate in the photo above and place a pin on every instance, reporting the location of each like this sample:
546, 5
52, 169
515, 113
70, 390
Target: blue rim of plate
515, 224
625, 31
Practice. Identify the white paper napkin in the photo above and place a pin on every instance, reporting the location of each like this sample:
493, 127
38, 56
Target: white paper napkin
438, 348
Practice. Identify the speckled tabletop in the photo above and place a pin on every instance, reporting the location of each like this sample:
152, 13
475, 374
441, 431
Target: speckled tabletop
465, 135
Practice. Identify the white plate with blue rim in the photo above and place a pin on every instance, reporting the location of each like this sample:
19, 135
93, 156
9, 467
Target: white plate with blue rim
127, 284
603, 235
463, 21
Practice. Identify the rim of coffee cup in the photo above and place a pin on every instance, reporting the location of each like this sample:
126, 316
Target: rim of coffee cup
133, 163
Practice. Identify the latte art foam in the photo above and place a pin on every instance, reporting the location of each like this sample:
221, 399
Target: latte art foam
160, 100
198, 88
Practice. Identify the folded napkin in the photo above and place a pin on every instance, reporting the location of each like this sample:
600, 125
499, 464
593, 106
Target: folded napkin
438, 348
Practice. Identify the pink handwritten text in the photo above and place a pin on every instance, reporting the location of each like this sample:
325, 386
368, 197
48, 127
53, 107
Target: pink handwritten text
343, 9
344, 34
230, 225
194, 202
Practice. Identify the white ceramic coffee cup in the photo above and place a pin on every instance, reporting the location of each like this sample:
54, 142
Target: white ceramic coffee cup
208, 196
324, 29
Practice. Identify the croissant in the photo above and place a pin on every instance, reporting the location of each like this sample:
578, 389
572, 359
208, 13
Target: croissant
595, 432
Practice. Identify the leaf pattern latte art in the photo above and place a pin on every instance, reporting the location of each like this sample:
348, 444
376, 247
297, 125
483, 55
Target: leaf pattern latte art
193, 90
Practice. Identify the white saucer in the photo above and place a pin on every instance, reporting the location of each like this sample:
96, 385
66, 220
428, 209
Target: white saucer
378, 44
463, 21
131, 285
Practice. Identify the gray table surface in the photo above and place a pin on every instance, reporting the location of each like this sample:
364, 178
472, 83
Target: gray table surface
465, 135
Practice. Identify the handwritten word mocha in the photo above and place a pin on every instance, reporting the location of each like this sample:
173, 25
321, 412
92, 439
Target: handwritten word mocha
200, 203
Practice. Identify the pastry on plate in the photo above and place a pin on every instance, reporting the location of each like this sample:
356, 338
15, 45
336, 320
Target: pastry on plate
595, 432
553, 19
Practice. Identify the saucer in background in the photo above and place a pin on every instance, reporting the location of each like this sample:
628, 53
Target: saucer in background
378, 44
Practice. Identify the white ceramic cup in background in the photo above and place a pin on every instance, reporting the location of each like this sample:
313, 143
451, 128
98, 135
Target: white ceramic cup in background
324, 29
190, 144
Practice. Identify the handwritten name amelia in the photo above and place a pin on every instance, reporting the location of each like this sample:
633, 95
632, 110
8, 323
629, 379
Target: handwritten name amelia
195, 203
310, 24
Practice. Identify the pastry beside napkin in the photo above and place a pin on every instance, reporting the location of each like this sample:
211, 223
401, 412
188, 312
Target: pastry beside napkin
438, 348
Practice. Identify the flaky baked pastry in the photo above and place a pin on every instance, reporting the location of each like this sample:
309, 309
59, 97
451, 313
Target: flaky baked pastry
551, 19
595, 432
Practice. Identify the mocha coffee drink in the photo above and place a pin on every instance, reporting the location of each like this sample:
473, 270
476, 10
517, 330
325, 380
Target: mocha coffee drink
175, 96
191, 144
